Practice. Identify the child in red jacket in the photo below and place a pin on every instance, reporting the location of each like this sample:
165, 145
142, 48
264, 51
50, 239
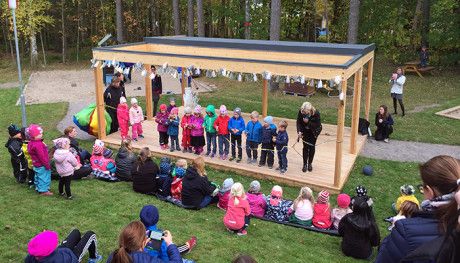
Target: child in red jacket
123, 118
221, 126
185, 123
237, 217
322, 211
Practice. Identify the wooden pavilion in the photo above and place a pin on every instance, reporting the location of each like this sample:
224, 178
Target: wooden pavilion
311, 60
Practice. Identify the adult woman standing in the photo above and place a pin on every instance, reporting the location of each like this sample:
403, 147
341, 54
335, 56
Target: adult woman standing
197, 190
397, 84
384, 123
112, 96
144, 173
440, 177
308, 128
157, 89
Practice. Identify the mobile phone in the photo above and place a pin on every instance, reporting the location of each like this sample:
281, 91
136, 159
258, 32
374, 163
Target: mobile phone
154, 235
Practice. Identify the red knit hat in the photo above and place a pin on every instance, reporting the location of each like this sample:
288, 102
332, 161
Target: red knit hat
163, 107
98, 147
43, 244
343, 200
323, 197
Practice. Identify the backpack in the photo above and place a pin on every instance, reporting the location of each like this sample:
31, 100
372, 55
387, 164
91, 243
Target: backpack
363, 126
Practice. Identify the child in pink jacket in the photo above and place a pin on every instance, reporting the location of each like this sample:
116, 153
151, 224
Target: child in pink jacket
66, 164
136, 117
39, 154
162, 120
197, 132
224, 194
256, 199
123, 118
237, 217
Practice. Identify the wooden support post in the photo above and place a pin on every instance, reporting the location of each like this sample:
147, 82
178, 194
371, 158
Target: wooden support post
101, 134
370, 69
340, 128
184, 82
265, 98
356, 110
148, 94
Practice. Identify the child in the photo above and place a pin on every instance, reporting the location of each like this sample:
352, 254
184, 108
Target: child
343, 203
162, 120
224, 194
277, 208
136, 117
256, 199
407, 209
173, 129
123, 118
172, 104
253, 133
281, 141
221, 125
66, 164
322, 211
359, 230
236, 127
186, 129
164, 177
181, 163
176, 185
103, 166
40, 160
267, 154
407, 192
208, 126
197, 131
303, 207
236, 218
25, 143
361, 191
18, 159
423, 57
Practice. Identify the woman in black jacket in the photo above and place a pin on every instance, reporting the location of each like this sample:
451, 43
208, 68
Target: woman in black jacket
384, 123
359, 230
124, 161
197, 191
308, 128
144, 173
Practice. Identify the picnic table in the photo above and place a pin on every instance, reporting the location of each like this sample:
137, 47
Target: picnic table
413, 66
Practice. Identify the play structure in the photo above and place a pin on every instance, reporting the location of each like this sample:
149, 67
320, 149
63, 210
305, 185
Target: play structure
337, 146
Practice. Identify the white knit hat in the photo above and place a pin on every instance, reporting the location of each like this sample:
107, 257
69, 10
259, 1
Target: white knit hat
133, 101
122, 100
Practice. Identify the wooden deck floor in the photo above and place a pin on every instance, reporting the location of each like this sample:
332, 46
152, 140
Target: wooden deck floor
322, 176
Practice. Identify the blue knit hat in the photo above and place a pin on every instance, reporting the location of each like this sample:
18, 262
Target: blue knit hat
180, 172
149, 215
268, 119
107, 153
165, 160
165, 168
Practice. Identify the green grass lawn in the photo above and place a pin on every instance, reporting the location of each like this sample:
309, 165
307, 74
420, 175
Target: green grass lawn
106, 207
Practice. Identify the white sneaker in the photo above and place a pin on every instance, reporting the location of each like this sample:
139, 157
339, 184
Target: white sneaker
386, 140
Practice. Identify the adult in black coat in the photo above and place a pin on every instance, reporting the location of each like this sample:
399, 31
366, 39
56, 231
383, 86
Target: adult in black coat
144, 173
308, 129
112, 96
124, 161
157, 89
359, 230
384, 123
197, 190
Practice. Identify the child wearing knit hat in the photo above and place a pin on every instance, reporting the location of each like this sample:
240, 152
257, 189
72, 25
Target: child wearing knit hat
256, 199
162, 127
224, 193
18, 159
343, 208
39, 154
267, 154
102, 164
211, 133
197, 130
253, 133
173, 129
164, 177
277, 208
322, 211
185, 123
123, 118
281, 142
223, 135
172, 104
407, 193
136, 118
66, 163
236, 127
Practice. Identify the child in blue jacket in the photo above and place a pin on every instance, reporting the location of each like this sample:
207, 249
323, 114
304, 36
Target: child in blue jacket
173, 129
236, 127
253, 133
267, 154
164, 177
281, 142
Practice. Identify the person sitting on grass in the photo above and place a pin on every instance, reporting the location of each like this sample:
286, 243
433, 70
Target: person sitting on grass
132, 242
103, 165
71, 133
236, 218
224, 194
303, 207
407, 209
125, 160
322, 211
164, 177
150, 216
145, 173
176, 185
277, 207
43, 248
257, 200
407, 193
343, 208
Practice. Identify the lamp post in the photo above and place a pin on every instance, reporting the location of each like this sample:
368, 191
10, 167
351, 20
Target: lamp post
13, 4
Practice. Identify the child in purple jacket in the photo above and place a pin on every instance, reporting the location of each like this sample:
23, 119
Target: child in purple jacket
256, 199
40, 160
162, 120
197, 133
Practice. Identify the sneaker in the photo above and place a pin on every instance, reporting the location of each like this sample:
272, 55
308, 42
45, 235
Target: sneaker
386, 140
172, 149
62, 194
242, 232
212, 155
222, 157
207, 154
304, 168
282, 171
69, 197
191, 243
190, 150
141, 136
260, 165
178, 148
95, 260
184, 150
254, 160
277, 168
166, 146
238, 160
46, 193
135, 139
249, 161
310, 168
231, 158
270, 167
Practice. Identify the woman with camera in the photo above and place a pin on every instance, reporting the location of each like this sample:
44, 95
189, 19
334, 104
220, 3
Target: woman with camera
308, 129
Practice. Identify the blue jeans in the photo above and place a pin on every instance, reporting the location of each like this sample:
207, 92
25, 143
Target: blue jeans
208, 200
211, 139
282, 159
42, 179
224, 144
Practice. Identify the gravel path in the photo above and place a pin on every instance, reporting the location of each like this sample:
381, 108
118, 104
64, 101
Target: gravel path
9, 85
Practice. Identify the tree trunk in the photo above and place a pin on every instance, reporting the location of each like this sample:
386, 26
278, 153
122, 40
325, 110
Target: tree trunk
222, 29
78, 33
200, 18
119, 14
63, 30
425, 22
275, 17
353, 21
417, 15
33, 49
247, 19
43, 49
190, 19
176, 16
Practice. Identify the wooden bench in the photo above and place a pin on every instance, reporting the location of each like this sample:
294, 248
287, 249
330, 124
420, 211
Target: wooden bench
413, 66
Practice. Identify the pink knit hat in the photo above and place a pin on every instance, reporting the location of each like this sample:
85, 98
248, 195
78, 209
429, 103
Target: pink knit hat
223, 109
61, 143
323, 197
197, 109
175, 111
35, 130
43, 244
276, 195
343, 200
98, 147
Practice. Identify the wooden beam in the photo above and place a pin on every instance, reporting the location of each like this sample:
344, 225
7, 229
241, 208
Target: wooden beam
356, 110
148, 93
370, 70
100, 108
182, 86
265, 98
358, 64
340, 128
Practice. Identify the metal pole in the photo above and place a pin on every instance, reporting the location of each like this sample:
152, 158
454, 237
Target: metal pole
18, 62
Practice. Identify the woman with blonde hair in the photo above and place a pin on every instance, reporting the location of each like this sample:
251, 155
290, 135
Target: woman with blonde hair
308, 129
236, 218
197, 190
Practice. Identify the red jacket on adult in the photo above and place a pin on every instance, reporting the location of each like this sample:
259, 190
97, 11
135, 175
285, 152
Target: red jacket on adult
221, 124
234, 218
322, 216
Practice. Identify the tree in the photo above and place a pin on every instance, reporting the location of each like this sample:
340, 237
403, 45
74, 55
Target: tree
200, 18
247, 19
119, 14
275, 17
425, 21
190, 19
176, 17
353, 21
63, 30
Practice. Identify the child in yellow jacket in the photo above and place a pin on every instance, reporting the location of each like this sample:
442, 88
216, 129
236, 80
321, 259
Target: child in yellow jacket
407, 194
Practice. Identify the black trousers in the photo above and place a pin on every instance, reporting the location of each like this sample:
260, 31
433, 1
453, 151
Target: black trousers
64, 181
236, 143
156, 99
267, 154
401, 104
81, 244
308, 152
163, 138
30, 176
251, 149
113, 114
19, 169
